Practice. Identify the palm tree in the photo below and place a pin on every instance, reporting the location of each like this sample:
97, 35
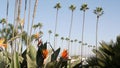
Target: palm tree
72, 8
3, 21
49, 31
62, 38
75, 46
89, 46
56, 35
34, 13
40, 26
67, 39
57, 6
35, 26
83, 8
99, 12
71, 46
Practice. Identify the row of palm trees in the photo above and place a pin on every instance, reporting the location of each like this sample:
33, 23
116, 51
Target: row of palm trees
98, 11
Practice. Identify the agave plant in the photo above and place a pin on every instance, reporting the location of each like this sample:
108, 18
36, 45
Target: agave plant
108, 55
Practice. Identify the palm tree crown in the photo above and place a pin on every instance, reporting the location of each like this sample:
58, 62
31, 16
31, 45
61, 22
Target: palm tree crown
56, 35
3, 21
72, 7
62, 38
84, 7
49, 31
98, 11
58, 6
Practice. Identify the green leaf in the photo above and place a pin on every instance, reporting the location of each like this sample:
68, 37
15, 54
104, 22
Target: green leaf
55, 55
15, 63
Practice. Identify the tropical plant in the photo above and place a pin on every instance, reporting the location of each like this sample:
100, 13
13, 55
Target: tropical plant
56, 36
83, 8
62, 38
50, 32
57, 7
107, 55
99, 12
72, 8
75, 41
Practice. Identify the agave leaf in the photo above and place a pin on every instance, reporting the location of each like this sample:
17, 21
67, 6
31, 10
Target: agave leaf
32, 52
15, 63
30, 62
55, 55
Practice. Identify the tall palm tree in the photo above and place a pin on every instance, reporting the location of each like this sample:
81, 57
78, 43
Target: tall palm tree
57, 7
34, 13
56, 35
83, 8
50, 32
99, 12
72, 8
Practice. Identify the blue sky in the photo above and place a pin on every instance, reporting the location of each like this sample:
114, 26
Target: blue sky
108, 24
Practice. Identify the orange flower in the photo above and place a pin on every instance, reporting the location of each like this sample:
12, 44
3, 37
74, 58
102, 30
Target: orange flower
45, 53
1, 43
64, 54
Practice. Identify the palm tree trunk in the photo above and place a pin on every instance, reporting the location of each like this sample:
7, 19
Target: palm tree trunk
97, 35
14, 23
70, 31
34, 13
55, 27
49, 37
23, 26
82, 35
18, 21
7, 14
69, 38
28, 22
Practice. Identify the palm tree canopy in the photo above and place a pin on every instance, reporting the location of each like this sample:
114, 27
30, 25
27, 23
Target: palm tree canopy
49, 31
84, 7
35, 26
71, 41
3, 21
62, 38
40, 25
98, 11
56, 35
67, 39
57, 6
72, 7
80, 42
75, 40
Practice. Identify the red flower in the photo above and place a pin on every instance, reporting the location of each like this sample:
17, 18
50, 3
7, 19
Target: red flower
64, 54
45, 53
